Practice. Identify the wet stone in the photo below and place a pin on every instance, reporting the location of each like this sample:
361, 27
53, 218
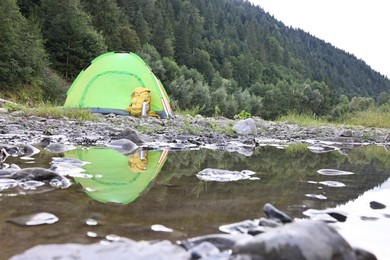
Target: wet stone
219, 175
239, 228
333, 184
367, 218
160, 228
309, 240
68, 161
8, 184
272, 223
257, 230
30, 150
324, 217
332, 172
377, 205
203, 250
273, 213
123, 145
42, 175
59, 148
316, 196
221, 241
117, 249
35, 219
338, 215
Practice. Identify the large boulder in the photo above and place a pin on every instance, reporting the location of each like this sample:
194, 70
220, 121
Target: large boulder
245, 127
306, 240
131, 135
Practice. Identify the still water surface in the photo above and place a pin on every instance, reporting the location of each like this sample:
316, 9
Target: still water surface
131, 196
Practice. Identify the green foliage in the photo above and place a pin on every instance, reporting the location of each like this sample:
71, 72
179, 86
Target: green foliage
242, 115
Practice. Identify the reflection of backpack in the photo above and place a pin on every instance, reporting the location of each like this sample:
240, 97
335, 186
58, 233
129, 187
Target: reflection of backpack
138, 161
138, 97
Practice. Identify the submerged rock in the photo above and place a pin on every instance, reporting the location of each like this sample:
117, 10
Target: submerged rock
35, 219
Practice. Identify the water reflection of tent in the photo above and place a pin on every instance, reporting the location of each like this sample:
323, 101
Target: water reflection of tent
117, 178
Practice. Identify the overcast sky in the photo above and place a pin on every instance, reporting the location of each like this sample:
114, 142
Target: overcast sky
360, 27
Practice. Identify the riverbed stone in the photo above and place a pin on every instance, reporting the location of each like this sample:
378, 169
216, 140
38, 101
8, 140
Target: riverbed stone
121, 249
59, 148
308, 240
273, 213
272, 223
377, 205
203, 250
245, 127
221, 241
41, 175
346, 133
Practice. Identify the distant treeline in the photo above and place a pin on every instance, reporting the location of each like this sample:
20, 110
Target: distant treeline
218, 57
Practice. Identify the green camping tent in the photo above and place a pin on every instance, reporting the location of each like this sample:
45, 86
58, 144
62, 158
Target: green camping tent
106, 85
116, 177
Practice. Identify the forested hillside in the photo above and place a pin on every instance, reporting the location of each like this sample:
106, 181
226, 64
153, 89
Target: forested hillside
215, 56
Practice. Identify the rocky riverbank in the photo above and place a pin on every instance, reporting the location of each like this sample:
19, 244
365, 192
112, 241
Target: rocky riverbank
182, 132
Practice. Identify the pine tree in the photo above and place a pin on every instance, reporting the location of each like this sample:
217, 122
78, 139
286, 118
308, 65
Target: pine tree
71, 40
22, 56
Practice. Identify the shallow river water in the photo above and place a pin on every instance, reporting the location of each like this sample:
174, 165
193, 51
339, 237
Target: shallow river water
160, 195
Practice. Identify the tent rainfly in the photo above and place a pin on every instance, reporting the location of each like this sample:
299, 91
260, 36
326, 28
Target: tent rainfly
106, 85
117, 178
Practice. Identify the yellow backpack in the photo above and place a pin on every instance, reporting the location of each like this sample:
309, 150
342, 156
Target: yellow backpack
138, 161
138, 97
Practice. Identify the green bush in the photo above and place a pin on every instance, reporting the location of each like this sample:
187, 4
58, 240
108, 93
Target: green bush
243, 115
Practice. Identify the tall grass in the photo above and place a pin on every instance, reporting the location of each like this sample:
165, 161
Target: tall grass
368, 118
57, 112
303, 119
371, 118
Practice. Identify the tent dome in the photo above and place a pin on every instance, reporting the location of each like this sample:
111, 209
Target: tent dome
106, 85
